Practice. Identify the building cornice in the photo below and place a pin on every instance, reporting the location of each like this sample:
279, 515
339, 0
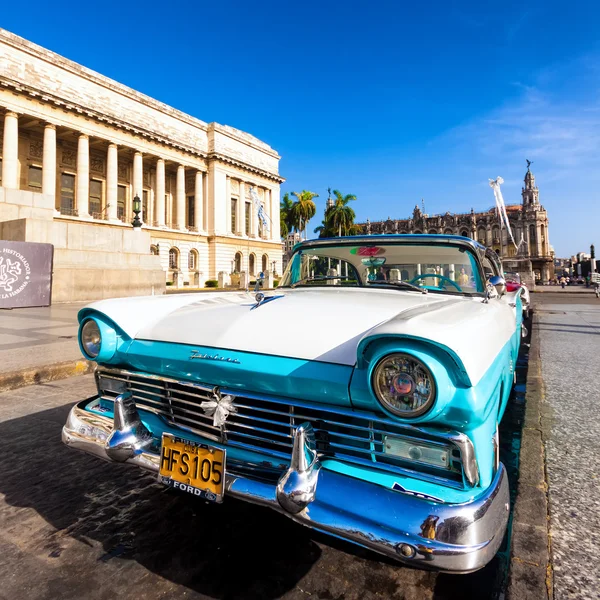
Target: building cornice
81, 110
43, 54
216, 156
46, 55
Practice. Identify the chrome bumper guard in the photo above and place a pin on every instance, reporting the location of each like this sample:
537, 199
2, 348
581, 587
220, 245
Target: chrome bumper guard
456, 538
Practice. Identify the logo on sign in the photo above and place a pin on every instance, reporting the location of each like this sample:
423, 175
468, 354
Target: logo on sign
15, 273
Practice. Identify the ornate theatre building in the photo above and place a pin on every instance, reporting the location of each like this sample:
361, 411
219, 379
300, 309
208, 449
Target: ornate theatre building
528, 222
77, 148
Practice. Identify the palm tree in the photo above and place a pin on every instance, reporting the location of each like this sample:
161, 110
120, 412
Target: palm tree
322, 229
304, 208
286, 219
340, 215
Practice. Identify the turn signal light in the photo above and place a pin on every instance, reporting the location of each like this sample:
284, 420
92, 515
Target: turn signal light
415, 450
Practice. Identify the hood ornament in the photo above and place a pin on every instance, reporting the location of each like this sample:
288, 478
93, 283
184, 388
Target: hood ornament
262, 299
219, 408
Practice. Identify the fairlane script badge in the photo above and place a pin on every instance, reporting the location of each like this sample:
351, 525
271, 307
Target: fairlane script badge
197, 355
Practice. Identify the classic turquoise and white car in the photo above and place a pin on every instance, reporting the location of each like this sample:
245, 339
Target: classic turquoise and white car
362, 397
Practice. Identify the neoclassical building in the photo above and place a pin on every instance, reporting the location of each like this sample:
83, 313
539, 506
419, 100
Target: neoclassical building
528, 221
77, 148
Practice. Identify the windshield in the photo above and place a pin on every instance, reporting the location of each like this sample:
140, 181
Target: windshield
439, 268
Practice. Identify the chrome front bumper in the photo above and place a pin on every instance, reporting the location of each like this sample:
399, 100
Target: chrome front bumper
457, 538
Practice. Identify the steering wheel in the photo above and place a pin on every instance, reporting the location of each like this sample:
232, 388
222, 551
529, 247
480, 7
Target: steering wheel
414, 279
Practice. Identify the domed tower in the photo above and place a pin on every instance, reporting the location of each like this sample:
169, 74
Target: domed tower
530, 193
534, 229
329, 204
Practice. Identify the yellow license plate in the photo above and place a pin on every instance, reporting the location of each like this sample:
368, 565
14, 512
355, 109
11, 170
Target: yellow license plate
192, 467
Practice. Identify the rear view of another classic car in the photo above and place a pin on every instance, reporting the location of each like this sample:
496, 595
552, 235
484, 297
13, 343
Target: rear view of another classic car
378, 425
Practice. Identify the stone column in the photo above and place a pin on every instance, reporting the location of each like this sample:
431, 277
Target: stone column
199, 201
83, 176
138, 182
10, 151
228, 204
112, 160
180, 191
254, 218
159, 203
241, 214
49, 161
275, 221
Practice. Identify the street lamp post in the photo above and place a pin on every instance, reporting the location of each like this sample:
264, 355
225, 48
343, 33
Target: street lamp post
137, 208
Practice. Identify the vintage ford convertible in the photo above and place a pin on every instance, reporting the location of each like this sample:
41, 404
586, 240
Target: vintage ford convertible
361, 398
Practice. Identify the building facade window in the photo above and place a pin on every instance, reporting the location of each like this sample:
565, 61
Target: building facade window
34, 177
233, 215
247, 213
252, 264
193, 260
189, 212
237, 266
96, 198
173, 259
154, 250
265, 262
67, 194
121, 201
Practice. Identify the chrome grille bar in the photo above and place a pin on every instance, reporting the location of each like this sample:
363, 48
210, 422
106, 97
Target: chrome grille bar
266, 424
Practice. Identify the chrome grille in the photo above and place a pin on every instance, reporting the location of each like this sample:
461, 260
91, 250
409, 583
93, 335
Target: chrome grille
266, 425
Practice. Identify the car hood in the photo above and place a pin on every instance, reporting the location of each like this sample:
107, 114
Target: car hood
322, 324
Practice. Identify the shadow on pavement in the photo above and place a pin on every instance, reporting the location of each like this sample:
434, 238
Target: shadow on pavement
232, 550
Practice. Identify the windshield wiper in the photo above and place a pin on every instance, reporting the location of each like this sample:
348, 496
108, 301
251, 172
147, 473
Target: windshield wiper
319, 278
405, 284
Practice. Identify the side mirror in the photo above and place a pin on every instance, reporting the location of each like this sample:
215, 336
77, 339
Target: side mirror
499, 283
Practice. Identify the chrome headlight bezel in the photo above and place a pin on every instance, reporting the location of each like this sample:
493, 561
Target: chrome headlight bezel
90, 339
416, 375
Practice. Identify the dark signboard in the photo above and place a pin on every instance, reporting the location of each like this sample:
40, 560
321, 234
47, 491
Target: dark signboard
25, 274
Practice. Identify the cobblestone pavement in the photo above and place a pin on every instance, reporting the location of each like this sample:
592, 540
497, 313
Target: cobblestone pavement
73, 526
31, 337
570, 344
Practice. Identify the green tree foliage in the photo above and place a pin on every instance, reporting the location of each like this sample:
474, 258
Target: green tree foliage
339, 218
304, 208
286, 218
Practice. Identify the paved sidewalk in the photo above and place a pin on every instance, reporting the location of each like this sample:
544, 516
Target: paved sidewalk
35, 337
570, 340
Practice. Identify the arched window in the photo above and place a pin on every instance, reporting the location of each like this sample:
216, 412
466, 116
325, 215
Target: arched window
481, 236
433, 231
193, 260
543, 234
238, 262
252, 264
154, 249
417, 231
265, 262
532, 241
173, 259
464, 233
495, 235
448, 231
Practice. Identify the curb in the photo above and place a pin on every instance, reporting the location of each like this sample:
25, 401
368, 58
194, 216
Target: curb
559, 290
16, 379
530, 571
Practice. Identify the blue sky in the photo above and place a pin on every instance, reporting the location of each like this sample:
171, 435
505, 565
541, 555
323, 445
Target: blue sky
391, 101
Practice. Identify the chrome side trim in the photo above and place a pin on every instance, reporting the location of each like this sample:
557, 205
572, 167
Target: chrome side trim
456, 538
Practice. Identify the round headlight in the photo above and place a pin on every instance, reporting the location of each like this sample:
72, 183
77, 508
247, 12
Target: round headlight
91, 339
404, 385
